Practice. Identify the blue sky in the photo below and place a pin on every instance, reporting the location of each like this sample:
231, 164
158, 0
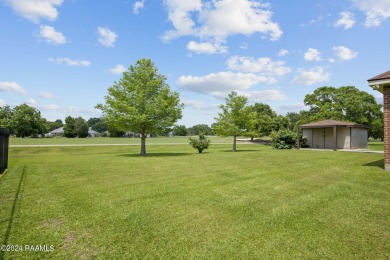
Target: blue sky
61, 56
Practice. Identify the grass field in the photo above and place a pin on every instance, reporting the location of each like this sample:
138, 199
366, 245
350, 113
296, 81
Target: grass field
376, 146
258, 203
106, 140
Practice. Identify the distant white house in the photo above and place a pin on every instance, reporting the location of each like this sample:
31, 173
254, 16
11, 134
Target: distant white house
60, 132
92, 133
56, 132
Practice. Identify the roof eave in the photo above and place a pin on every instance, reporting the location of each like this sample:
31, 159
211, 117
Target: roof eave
330, 126
379, 84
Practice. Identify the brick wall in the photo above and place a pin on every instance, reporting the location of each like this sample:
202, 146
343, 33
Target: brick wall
386, 110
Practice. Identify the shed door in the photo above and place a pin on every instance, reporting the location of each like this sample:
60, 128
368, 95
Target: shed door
318, 138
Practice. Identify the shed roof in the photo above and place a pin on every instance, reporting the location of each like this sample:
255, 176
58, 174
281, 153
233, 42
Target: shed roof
331, 123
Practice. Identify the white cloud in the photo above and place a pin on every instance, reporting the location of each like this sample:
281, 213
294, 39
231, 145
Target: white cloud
12, 87
138, 5
346, 20
45, 95
107, 37
283, 53
196, 104
221, 83
264, 95
264, 66
70, 62
344, 53
243, 46
2, 102
316, 20
206, 47
293, 107
35, 10
51, 107
31, 102
118, 69
74, 111
238, 17
311, 76
179, 13
220, 19
51, 35
312, 55
377, 11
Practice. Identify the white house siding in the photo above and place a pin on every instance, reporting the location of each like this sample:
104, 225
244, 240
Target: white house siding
343, 138
359, 138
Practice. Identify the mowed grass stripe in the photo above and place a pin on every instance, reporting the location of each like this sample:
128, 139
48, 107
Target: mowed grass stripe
109, 141
108, 202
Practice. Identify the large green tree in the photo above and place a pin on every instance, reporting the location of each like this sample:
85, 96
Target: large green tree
267, 121
345, 103
100, 126
142, 102
236, 118
294, 119
6, 113
54, 125
200, 128
179, 130
93, 120
70, 127
81, 127
27, 121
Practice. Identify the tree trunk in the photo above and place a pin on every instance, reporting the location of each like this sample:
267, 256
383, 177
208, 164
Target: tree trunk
234, 144
143, 144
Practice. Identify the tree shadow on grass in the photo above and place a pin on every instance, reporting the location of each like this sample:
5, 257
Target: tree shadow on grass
379, 164
137, 155
239, 151
12, 213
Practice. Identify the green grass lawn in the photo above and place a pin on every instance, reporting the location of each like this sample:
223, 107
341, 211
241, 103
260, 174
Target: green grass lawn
258, 203
106, 140
376, 146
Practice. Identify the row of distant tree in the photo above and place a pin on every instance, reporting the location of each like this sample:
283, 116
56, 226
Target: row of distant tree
141, 102
27, 121
257, 120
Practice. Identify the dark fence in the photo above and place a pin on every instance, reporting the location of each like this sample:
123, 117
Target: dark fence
4, 142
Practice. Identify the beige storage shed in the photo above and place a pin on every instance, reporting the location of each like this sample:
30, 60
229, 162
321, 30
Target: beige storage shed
332, 134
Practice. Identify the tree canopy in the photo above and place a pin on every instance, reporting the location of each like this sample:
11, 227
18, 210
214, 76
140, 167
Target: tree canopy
346, 104
236, 118
6, 113
27, 121
81, 127
70, 127
142, 102
200, 128
180, 130
266, 120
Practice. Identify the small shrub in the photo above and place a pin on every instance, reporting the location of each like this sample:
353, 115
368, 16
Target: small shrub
286, 139
283, 139
200, 143
303, 142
